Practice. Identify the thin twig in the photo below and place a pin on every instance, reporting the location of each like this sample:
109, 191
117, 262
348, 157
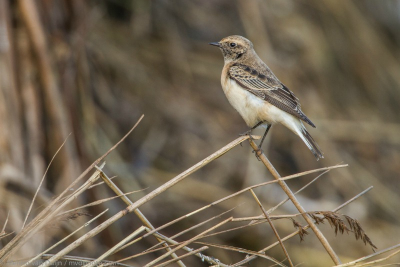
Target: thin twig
138, 213
352, 263
187, 230
187, 242
242, 250
272, 227
114, 248
41, 181
183, 256
97, 202
62, 240
5, 223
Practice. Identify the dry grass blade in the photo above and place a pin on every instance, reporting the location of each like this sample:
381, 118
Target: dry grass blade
43, 218
62, 240
5, 235
240, 192
41, 181
81, 260
248, 259
203, 257
138, 213
3, 231
355, 263
98, 202
272, 227
183, 256
145, 199
188, 242
242, 250
111, 178
116, 247
189, 229
298, 191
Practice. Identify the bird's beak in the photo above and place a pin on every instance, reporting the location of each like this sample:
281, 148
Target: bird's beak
215, 44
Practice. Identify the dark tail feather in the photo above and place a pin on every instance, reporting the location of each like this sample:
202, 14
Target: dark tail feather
312, 145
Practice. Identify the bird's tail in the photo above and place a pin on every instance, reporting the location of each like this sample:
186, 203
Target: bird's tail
311, 144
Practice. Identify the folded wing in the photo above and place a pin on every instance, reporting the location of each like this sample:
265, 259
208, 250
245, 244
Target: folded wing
267, 87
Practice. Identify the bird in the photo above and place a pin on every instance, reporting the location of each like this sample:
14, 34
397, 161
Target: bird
258, 95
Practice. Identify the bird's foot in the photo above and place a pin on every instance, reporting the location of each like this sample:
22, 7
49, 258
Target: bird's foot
258, 152
246, 133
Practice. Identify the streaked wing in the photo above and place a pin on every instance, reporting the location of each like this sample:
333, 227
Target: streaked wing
267, 87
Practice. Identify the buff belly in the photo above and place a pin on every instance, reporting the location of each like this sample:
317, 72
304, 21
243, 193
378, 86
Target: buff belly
252, 108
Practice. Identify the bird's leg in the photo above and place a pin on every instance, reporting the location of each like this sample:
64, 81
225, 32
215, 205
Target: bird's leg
259, 150
251, 129
265, 134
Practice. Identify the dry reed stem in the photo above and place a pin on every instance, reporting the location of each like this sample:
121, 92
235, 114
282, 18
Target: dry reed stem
62, 240
296, 203
5, 223
144, 199
285, 200
41, 182
138, 213
183, 244
303, 229
116, 247
240, 192
382, 259
298, 191
37, 226
242, 250
272, 227
206, 258
184, 231
97, 202
183, 256
354, 263
43, 217
83, 259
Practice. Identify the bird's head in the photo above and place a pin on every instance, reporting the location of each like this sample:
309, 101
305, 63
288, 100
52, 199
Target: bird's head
234, 47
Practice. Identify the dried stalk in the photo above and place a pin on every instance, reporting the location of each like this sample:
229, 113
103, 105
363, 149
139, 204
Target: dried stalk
116, 247
41, 182
303, 229
183, 256
144, 199
138, 213
62, 240
297, 204
183, 244
238, 193
44, 216
272, 227
354, 263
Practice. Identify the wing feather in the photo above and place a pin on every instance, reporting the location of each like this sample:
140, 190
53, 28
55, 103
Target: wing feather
267, 87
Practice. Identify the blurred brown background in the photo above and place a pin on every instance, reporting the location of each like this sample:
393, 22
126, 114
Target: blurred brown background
91, 68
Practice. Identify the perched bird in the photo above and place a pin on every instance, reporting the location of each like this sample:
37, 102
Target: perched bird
257, 94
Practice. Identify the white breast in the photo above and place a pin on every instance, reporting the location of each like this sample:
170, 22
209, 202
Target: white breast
252, 108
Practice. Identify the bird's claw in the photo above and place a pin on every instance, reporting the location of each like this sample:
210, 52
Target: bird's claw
246, 133
258, 152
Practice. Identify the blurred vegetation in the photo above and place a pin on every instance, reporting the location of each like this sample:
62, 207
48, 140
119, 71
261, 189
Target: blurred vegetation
91, 68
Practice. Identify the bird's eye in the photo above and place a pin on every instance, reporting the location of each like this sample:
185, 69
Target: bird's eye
232, 44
